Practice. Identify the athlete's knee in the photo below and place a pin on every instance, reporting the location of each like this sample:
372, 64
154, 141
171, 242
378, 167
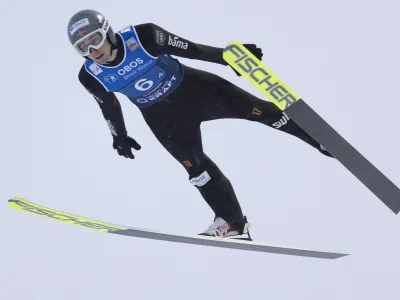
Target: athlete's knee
268, 114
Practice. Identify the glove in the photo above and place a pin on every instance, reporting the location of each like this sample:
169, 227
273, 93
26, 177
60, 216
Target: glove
257, 52
124, 144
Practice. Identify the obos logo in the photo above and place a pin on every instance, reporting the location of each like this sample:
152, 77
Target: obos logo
78, 25
131, 66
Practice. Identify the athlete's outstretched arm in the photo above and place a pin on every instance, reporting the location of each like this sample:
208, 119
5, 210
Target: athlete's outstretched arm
158, 41
108, 102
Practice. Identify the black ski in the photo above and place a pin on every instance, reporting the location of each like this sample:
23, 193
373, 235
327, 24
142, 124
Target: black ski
346, 154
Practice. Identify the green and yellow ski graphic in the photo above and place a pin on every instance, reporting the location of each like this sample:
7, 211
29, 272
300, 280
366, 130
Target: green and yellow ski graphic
243, 61
24, 205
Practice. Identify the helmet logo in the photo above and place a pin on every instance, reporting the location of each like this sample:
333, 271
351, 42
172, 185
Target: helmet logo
106, 24
81, 32
78, 25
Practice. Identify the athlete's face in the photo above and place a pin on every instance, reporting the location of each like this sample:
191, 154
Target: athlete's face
101, 55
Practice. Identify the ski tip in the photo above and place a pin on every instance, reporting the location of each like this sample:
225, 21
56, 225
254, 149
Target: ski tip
12, 201
15, 198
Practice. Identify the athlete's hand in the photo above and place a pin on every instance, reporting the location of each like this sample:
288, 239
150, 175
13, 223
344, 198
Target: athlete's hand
257, 52
124, 144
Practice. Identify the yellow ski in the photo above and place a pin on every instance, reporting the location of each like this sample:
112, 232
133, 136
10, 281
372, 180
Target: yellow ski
24, 205
243, 61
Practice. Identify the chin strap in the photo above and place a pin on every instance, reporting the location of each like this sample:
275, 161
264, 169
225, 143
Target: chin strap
113, 47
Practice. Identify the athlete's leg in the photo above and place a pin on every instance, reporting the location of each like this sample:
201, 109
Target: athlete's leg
182, 139
217, 98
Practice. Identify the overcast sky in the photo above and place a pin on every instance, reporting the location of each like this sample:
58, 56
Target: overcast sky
341, 57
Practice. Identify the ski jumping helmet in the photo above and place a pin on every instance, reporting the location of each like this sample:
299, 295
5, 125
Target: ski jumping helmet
89, 29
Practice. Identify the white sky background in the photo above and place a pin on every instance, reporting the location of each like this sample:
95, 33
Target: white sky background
342, 57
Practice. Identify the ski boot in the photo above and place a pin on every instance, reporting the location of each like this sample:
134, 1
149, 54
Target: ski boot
222, 229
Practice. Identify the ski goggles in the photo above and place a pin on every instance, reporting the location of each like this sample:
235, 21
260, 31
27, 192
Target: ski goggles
93, 40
